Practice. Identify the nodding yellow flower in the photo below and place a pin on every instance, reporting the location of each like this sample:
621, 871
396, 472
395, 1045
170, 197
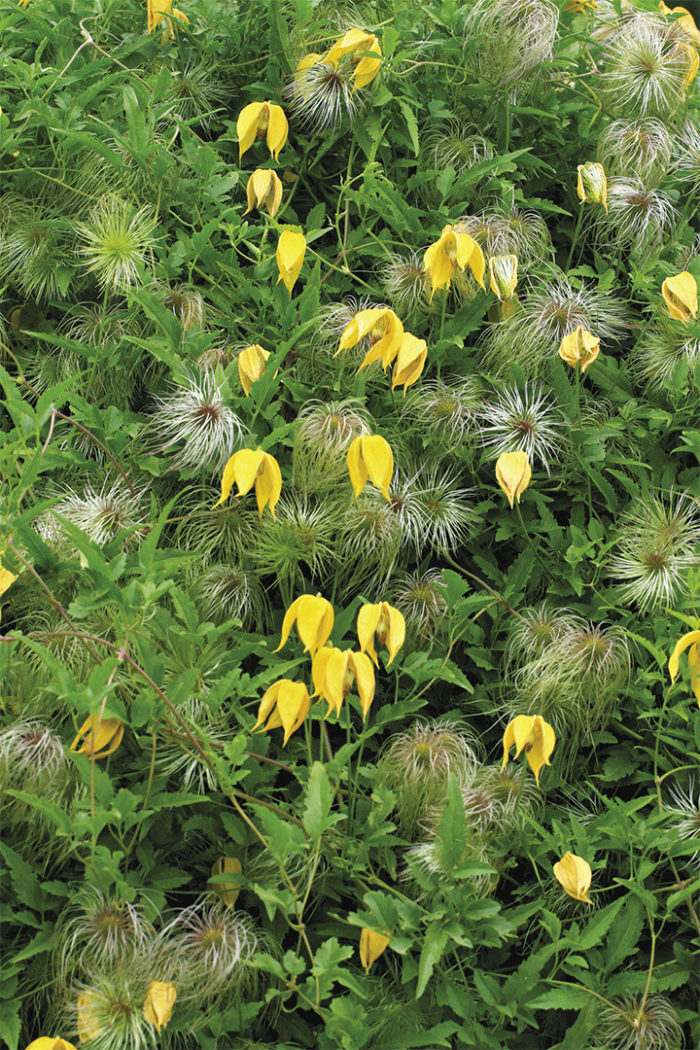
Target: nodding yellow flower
228, 891
686, 23
453, 251
335, 670
535, 735
592, 184
691, 642
258, 119
681, 296
158, 1007
46, 1042
410, 361
314, 618
264, 191
291, 249
287, 705
354, 44
98, 739
503, 276
7, 578
159, 10
575, 876
513, 474
370, 458
386, 623
579, 348
251, 366
371, 947
250, 467
385, 332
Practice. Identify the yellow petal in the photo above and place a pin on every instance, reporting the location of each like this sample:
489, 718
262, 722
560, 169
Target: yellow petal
269, 698
292, 706
361, 325
99, 742
289, 620
356, 466
379, 461
268, 485
291, 248
438, 265
397, 631
158, 1007
318, 669
50, 1043
7, 578
410, 361
247, 126
251, 365
371, 947
367, 620
541, 745
277, 130
575, 876
683, 643
681, 296
334, 683
508, 741
364, 680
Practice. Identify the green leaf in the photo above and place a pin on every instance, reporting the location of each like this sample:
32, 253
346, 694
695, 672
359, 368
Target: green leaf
434, 944
453, 827
319, 799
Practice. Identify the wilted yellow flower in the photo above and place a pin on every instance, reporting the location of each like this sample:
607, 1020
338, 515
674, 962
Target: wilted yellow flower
291, 249
386, 623
314, 618
251, 365
410, 361
535, 735
159, 10
335, 670
264, 191
287, 705
579, 348
371, 947
228, 891
250, 467
592, 184
691, 642
681, 296
46, 1042
454, 250
258, 119
158, 1007
98, 739
355, 43
370, 458
513, 474
686, 23
575, 876
385, 332
503, 276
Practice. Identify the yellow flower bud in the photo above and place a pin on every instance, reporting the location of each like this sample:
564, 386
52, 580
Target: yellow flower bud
354, 43
575, 875
371, 947
535, 735
291, 248
579, 348
228, 891
158, 1007
98, 738
370, 458
160, 10
251, 365
250, 467
258, 119
503, 276
592, 184
50, 1043
264, 191
681, 296
513, 474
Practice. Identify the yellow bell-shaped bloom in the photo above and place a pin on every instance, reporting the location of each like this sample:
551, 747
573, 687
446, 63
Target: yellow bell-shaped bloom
159, 10
46, 1042
228, 891
535, 735
410, 361
285, 705
513, 474
592, 184
453, 251
356, 43
250, 467
575, 875
334, 671
503, 276
371, 947
385, 332
314, 618
579, 348
258, 119
158, 1007
691, 642
385, 623
291, 249
370, 458
98, 739
681, 296
251, 365
264, 191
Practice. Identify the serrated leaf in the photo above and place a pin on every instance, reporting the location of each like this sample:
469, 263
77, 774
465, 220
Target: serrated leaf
434, 944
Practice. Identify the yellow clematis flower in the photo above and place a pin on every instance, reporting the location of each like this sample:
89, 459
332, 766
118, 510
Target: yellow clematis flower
579, 348
251, 366
160, 999
250, 467
258, 119
291, 249
535, 735
513, 474
159, 10
314, 618
592, 184
353, 44
335, 670
454, 250
285, 704
575, 876
385, 332
7, 578
680, 294
264, 190
691, 642
410, 361
46, 1042
503, 276
372, 945
386, 623
228, 891
370, 458
98, 739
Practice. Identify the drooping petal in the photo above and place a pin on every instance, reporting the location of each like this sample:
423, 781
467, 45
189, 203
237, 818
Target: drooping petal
680, 293
523, 726
289, 620
98, 739
438, 265
379, 461
513, 474
371, 947
333, 688
410, 361
268, 701
361, 325
158, 1007
291, 249
683, 643
277, 130
310, 618
268, 486
293, 706
397, 630
367, 620
575, 875
357, 468
364, 680
247, 125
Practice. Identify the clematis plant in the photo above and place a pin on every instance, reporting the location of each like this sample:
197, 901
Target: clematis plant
575, 875
264, 190
160, 10
410, 361
536, 736
334, 671
314, 617
385, 332
454, 250
260, 119
579, 348
370, 458
285, 704
251, 365
383, 622
291, 249
364, 53
249, 467
98, 737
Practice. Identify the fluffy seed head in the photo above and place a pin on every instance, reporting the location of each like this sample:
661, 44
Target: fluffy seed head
406, 283
686, 155
196, 423
639, 1023
213, 946
444, 411
230, 592
114, 241
666, 345
298, 541
104, 514
529, 421
509, 40
684, 810
509, 231
421, 599
640, 147
638, 217
96, 932
33, 759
